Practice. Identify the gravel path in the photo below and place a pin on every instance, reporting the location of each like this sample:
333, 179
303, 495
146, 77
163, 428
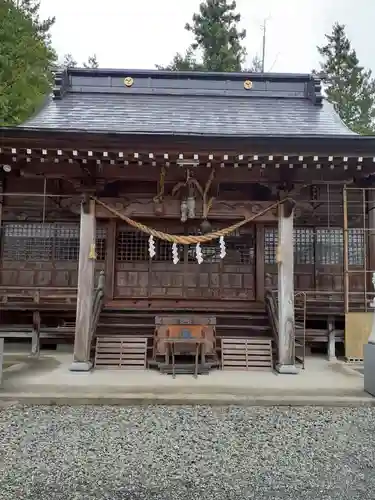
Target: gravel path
185, 453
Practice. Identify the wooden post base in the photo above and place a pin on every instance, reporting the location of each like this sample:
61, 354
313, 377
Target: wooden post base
287, 369
80, 366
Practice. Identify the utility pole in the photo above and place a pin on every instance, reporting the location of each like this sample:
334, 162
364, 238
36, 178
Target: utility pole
264, 29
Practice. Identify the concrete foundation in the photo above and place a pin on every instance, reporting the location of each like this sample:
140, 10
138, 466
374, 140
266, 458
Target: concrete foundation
1, 358
80, 366
287, 369
369, 368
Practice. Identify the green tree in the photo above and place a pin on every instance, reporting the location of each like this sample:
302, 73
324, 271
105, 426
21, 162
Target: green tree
92, 62
69, 61
31, 10
348, 85
183, 62
216, 36
26, 60
256, 65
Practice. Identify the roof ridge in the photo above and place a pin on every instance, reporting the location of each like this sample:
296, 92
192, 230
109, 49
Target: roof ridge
249, 85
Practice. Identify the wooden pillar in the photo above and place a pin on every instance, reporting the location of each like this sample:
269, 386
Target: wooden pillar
285, 259
35, 334
86, 283
331, 339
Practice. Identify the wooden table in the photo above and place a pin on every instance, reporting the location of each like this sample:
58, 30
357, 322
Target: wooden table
172, 342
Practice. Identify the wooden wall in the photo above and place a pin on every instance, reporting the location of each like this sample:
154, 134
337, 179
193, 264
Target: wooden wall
40, 246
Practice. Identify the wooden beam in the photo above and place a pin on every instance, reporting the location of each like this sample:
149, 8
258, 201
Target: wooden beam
86, 269
110, 258
259, 172
259, 262
285, 258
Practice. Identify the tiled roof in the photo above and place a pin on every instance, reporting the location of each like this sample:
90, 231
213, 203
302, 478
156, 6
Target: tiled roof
209, 104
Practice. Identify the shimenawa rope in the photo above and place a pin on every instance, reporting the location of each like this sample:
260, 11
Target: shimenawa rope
182, 239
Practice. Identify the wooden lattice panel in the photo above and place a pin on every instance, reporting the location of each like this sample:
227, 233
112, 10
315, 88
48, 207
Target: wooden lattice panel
125, 353
246, 354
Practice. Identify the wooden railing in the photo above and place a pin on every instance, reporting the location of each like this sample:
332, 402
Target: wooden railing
272, 313
98, 302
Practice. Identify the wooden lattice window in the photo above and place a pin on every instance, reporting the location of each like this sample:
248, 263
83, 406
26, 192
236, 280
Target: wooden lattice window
303, 246
239, 249
164, 251
329, 246
27, 242
270, 245
33, 242
66, 241
131, 246
101, 243
356, 247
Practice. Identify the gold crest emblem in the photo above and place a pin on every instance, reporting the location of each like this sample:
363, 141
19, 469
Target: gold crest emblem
248, 84
128, 81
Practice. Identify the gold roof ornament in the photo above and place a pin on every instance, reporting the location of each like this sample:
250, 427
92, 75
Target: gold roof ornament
128, 81
248, 84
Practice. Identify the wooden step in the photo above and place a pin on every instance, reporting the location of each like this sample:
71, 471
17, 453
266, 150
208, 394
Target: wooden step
121, 353
246, 354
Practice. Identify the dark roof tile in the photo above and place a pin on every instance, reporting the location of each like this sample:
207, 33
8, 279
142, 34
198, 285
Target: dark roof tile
183, 104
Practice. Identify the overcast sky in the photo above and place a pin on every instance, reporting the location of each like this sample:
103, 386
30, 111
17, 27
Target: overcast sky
142, 33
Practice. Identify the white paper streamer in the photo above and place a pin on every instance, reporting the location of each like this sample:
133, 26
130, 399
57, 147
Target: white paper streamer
151, 247
175, 253
198, 252
223, 250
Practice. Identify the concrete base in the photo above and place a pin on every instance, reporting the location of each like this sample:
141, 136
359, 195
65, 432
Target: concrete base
80, 366
1, 358
287, 369
369, 368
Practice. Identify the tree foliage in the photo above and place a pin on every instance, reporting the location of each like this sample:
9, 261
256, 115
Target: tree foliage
348, 85
184, 62
26, 60
31, 10
256, 65
217, 38
92, 62
70, 62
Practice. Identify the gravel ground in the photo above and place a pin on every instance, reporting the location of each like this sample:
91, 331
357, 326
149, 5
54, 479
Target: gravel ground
185, 453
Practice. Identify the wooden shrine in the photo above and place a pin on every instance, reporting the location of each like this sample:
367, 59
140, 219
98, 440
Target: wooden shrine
132, 196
